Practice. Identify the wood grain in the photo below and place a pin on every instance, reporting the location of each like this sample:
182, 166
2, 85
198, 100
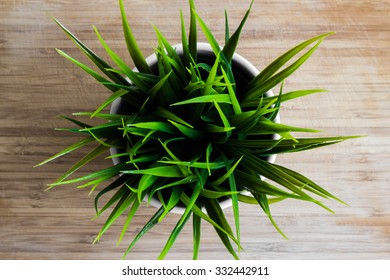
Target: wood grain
36, 84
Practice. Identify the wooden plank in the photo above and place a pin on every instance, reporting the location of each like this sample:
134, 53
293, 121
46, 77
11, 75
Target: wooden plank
36, 84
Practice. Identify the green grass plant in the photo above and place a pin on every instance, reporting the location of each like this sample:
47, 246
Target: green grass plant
189, 135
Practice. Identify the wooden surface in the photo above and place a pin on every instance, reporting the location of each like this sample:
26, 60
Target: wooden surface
36, 84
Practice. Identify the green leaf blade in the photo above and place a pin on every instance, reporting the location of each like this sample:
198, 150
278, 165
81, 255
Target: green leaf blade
175, 232
161, 171
220, 98
69, 149
193, 35
148, 226
99, 62
132, 45
215, 213
283, 59
231, 44
122, 65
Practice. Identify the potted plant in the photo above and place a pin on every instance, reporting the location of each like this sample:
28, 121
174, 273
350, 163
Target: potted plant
192, 129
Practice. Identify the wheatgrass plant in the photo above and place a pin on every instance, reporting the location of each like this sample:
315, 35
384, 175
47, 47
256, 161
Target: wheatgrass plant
190, 135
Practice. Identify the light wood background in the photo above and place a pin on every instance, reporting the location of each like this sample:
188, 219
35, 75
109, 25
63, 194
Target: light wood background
36, 84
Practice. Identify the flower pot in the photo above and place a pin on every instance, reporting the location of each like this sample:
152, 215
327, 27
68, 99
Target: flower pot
243, 71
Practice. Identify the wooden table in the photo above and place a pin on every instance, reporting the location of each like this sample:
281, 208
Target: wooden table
36, 84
